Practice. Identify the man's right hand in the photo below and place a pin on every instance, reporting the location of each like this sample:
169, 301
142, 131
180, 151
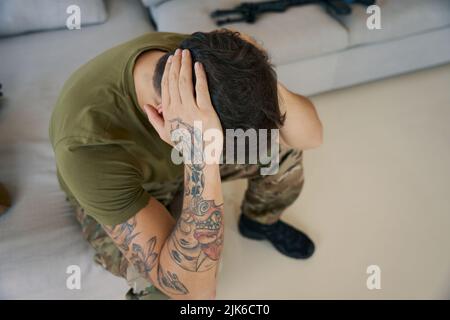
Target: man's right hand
181, 103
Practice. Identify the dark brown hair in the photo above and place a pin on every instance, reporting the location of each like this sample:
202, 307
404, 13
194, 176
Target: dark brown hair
241, 81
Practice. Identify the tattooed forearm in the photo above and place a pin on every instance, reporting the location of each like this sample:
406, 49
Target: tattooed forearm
143, 258
169, 282
124, 232
196, 242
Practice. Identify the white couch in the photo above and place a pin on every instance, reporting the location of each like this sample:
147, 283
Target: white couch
315, 52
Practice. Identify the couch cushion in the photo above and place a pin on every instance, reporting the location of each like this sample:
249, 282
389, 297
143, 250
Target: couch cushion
298, 33
19, 16
399, 18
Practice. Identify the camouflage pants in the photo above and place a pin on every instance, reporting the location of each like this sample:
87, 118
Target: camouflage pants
265, 199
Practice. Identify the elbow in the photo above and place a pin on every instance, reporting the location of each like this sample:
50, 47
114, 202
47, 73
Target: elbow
196, 293
201, 295
316, 138
209, 294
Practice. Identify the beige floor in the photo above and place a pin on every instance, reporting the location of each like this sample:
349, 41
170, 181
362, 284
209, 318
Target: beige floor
377, 192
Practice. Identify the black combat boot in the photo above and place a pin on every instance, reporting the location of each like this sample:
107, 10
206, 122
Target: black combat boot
285, 238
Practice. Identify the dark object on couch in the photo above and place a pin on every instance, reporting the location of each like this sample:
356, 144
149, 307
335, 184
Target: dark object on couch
248, 12
5, 200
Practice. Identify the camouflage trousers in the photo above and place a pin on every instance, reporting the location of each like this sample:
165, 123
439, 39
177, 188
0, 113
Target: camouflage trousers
264, 201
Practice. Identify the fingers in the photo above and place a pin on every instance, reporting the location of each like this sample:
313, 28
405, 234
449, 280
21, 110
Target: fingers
174, 74
165, 95
179, 82
185, 81
155, 119
201, 87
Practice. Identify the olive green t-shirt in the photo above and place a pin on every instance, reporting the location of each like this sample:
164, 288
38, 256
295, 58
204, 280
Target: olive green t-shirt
107, 153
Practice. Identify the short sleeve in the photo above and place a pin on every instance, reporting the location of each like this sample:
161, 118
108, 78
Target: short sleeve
104, 179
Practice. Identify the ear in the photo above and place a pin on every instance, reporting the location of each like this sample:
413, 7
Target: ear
155, 119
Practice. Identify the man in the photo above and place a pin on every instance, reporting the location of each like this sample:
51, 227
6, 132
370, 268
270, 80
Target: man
112, 131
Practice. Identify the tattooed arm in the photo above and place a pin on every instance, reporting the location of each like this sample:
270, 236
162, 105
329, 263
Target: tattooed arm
181, 258
195, 243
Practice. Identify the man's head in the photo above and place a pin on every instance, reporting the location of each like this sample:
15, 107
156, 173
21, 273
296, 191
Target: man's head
241, 81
